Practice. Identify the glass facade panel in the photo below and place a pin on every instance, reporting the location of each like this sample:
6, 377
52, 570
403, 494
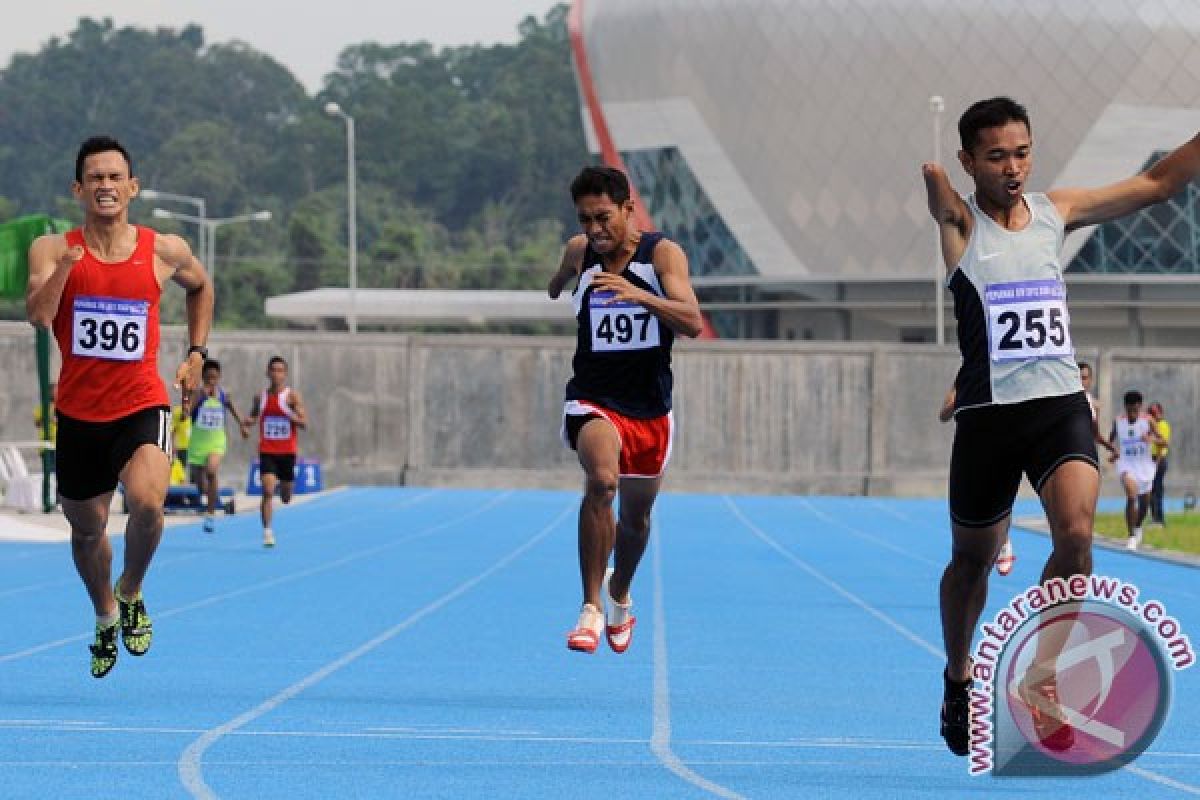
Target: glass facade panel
681, 209
1162, 240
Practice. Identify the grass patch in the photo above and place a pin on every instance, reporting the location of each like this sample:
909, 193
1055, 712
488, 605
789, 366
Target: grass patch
1182, 532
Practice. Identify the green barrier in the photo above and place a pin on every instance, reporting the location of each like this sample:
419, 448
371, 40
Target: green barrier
15, 238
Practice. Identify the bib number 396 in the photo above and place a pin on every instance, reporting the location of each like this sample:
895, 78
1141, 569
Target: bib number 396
109, 328
1028, 320
622, 326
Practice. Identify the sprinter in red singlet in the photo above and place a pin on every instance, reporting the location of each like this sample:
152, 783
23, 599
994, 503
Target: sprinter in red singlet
279, 412
98, 288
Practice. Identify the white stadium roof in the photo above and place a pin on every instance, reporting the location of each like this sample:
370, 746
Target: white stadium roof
422, 306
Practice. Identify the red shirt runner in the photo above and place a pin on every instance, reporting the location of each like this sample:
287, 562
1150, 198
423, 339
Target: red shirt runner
276, 426
106, 327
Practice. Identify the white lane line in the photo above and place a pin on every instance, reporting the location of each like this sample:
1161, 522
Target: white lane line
905, 632
1163, 780
829, 519
189, 766
936, 652
258, 587
660, 740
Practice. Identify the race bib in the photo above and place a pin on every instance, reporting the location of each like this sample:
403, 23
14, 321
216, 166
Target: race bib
1134, 449
1028, 320
109, 328
620, 325
210, 419
277, 428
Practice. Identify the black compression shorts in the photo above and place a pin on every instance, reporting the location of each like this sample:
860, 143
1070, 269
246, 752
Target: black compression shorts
994, 445
282, 466
91, 455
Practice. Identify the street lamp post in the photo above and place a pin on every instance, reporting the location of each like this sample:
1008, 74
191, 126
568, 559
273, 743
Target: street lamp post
937, 105
209, 226
334, 110
198, 202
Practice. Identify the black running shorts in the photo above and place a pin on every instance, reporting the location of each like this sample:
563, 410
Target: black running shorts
282, 467
994, 445
91, 455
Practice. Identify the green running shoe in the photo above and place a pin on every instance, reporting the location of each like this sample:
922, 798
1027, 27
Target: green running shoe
104, 651
136, 628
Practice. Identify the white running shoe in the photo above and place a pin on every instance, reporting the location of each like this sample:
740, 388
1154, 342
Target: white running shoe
1004, 561
268, 538
619, 618
586, 635
1134, 541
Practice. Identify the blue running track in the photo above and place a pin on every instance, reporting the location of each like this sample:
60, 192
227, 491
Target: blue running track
409, 643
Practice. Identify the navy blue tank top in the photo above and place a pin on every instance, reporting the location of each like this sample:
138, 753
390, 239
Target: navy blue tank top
622, 353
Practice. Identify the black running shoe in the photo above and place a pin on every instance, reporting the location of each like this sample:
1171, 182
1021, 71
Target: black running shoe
104, 650
136, 628
956, 715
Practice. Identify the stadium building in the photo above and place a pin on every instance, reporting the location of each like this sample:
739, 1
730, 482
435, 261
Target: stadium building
780, 141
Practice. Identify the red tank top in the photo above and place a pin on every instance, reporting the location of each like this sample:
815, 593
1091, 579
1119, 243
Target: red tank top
107, 332
276, 424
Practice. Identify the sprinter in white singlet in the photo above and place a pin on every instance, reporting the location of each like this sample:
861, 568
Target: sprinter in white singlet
1132, 434
1020, 405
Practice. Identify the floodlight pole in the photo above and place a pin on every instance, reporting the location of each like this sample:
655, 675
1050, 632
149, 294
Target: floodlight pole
937, 105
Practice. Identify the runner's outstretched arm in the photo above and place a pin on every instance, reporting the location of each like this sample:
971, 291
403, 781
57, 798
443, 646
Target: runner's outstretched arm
1168, 177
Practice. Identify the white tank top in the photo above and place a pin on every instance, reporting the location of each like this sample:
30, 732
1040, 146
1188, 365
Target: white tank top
1133, 449
1011, 304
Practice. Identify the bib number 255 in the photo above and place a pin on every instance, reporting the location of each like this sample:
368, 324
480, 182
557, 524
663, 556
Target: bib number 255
1032, 330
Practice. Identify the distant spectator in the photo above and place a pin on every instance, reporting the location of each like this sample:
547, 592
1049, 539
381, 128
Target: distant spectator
43, 434
1159, 453
181, 432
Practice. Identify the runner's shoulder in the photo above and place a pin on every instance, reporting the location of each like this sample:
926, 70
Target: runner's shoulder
48, 245
170, 247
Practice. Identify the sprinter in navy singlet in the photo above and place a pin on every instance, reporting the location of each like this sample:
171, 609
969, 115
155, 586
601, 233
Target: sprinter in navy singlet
1020, 405
631, 298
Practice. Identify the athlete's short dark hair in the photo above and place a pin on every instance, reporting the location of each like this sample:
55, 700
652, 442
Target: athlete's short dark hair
1132, 397
600, 181
211, 363
99, 144
992, 113
1085, 365
277, 360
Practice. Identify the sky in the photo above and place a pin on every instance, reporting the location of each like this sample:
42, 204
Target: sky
304, 35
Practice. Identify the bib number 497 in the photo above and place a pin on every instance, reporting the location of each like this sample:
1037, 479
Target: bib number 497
628, 327
622, 328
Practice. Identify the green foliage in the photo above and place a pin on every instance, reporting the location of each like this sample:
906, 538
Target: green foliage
463, 154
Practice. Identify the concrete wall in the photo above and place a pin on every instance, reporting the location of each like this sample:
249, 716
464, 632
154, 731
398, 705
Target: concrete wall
752, 416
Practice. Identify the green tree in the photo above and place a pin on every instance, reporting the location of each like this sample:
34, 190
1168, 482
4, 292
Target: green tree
464, 153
